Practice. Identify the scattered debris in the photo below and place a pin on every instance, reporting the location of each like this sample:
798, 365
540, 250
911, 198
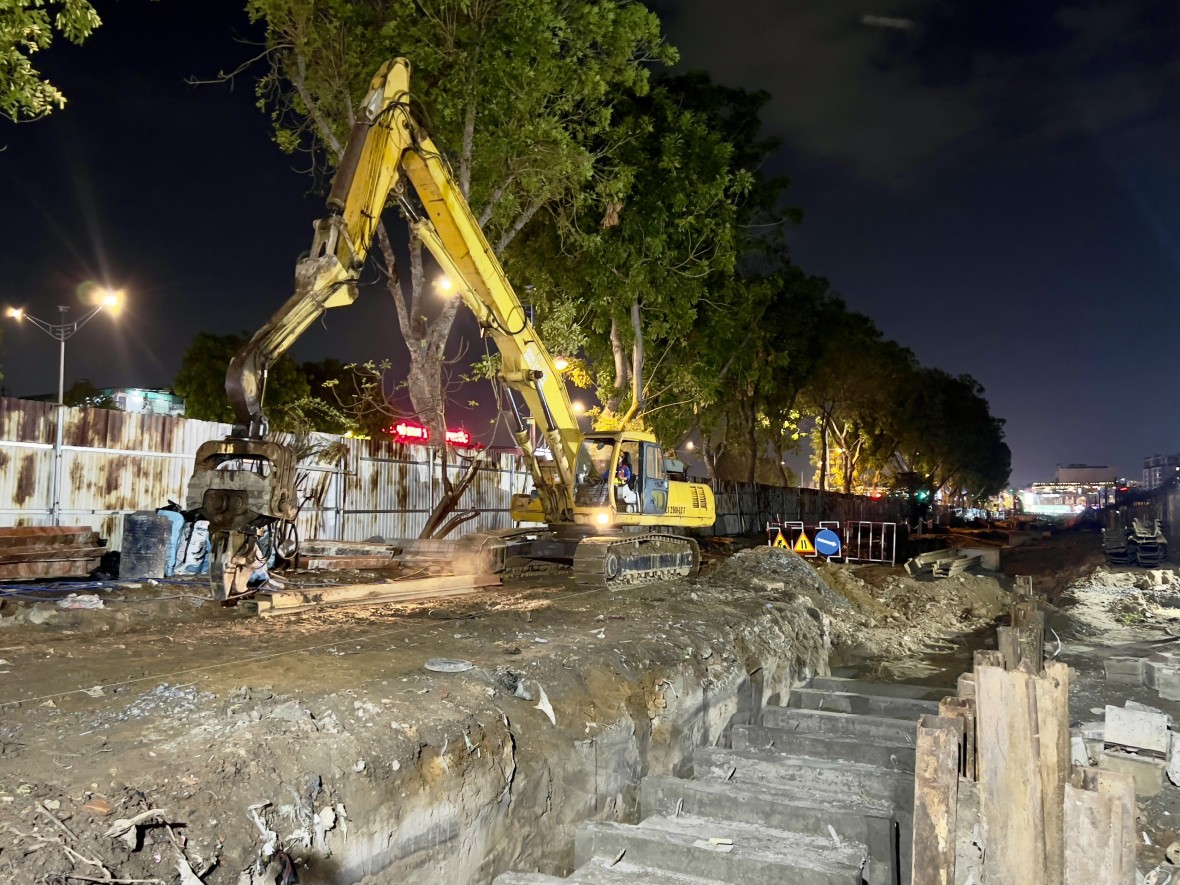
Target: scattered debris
448, 665
544, 706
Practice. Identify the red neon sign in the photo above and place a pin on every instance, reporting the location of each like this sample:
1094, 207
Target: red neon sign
459, 438
412, 432
407, 432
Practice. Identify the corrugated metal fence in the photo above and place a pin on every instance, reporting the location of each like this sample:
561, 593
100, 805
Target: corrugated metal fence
746, 507
114, 463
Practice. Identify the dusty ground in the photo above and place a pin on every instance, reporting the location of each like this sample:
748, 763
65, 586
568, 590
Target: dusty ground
324, 738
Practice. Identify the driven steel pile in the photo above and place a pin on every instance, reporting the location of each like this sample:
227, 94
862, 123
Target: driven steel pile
1143, 543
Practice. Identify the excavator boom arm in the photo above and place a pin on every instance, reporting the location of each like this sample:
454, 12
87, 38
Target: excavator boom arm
388, 149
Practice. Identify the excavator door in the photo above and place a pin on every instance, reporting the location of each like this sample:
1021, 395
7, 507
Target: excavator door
653, 480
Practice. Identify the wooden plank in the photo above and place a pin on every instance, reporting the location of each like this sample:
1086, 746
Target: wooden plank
1120, 788
50, 542
41, 531
388, 599
1009, 648
1093, 851
372, 594
1052, 726
77, 568
1011, 796
56, 554
316, 562
1030, 644
936, 782
964, 709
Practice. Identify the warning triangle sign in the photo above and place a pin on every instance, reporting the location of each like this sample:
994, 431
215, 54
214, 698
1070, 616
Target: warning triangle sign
780, 541
803, 544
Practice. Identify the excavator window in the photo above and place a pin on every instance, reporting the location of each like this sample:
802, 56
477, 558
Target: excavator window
592, 472
594, 461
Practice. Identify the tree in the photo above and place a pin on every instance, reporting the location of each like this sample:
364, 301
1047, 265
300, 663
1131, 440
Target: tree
201, 381
514, 93
639, 263
83, 393
944, 432
858, 379
26, 27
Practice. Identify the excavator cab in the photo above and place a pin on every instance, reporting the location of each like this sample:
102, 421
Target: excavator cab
622, 473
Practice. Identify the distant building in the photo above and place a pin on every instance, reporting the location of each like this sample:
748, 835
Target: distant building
1083, 473
148, 402
1054, 498
1158, 469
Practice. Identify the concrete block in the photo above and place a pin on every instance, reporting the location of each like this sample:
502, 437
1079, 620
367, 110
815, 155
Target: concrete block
893, 756
613, 870
861, 704
1019, 539
1152, 670
1124, 671
883, 689
874, 729
815, 814
789, 774
761, 855
1138, 729
525, 879
989, 557
1168, 683
1173, 767
1148, 773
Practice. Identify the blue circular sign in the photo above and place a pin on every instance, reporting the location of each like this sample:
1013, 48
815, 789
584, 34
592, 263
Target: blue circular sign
827, 543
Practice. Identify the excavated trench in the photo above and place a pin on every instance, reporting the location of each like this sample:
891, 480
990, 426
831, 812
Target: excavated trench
325, 742
510, 791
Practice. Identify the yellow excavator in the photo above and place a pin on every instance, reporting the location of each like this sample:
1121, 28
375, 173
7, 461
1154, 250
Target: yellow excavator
602, 502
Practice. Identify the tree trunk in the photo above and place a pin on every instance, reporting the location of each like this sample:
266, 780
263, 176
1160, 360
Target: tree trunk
823, 459
752, 442
622, 370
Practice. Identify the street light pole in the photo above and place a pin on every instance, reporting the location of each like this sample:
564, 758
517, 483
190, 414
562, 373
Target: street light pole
63, 332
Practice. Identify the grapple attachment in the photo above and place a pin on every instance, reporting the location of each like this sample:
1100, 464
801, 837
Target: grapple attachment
240, 486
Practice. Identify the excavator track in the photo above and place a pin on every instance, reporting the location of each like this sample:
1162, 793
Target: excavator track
634, 559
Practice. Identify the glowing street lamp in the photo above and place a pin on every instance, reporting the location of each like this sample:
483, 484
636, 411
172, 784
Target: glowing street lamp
110, 300
444, 286
561, 363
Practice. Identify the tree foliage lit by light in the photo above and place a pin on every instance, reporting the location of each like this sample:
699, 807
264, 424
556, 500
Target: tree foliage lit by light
27, 27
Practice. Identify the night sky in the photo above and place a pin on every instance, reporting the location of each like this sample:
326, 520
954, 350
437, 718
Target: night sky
996, 185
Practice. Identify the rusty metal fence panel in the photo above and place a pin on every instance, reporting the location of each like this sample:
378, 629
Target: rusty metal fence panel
114, 463
747, 507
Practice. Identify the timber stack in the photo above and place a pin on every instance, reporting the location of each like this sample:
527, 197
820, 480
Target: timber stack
996, 798
57, 551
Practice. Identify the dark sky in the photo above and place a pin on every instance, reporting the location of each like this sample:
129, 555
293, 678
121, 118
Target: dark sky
995, 184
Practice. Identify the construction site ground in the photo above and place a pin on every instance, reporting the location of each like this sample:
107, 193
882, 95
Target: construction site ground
322, 740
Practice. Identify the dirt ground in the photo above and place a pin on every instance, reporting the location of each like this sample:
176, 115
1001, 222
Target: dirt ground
238, 745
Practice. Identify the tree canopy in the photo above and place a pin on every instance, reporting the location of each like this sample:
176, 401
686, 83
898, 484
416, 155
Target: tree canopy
633, 210
27, 27
201, 380
514, 92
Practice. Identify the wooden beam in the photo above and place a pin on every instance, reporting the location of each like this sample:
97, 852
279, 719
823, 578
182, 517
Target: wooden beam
936, 781
1012, 800
1052, 729
964, 709
1099, 816
417, 590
